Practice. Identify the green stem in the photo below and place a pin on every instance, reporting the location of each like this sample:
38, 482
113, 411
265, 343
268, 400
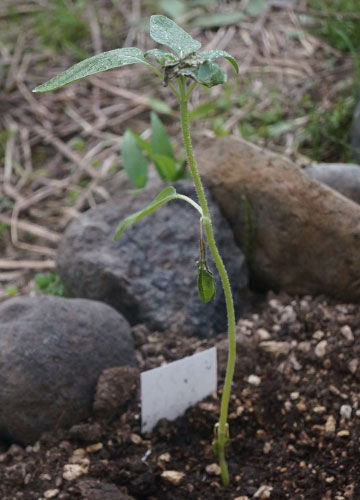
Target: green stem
221, 438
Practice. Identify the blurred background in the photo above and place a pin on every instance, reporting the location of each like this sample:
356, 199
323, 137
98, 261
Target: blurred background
296, 94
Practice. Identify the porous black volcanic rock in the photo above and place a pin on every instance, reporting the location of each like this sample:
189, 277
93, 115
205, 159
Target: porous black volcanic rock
150, 274
52, 351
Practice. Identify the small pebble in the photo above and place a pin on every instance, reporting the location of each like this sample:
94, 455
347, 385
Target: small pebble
254, 380
294, 395
262, 334
320, 349
165, 457
73, 471
347, 332
318, 335
173, 477
301, 406
213, 469
263, 492
345, 411
51, 493
92, 448
343, 433
276, 348
319, 409
136, 439
330, 425
353, 365
288, 316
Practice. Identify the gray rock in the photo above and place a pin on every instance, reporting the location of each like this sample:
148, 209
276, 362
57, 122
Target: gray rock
52, 350
343, 177
305, 237
150, 275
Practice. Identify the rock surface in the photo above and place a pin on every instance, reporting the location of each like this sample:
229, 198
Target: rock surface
52, 350
150, 274
305, 238
343, 177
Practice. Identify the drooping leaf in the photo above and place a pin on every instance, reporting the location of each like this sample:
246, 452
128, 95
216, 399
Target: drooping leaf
215, 54
206, 283
134, 162
166, 32
96, 64
167, 194
218, 19
161, 56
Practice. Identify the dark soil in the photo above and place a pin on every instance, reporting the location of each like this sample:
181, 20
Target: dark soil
294, 423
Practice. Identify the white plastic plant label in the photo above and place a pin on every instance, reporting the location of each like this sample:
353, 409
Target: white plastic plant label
167, 391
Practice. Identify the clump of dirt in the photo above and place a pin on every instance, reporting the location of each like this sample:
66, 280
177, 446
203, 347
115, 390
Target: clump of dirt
294, 421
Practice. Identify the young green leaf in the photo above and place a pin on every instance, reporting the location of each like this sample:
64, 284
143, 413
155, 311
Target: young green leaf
164, 31
160, 142
215, 54
134, 162
166, 167
207, 73
206, 282
166, 195
142, 143
96, 64
161, 56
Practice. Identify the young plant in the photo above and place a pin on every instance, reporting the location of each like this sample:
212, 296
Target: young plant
185, 61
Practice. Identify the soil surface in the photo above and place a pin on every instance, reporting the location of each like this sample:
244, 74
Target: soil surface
294, 421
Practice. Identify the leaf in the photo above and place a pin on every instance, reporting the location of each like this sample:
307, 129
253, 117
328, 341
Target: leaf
202, 111
164, 31
220, 19
160, 106
161, 56
160, 142
167, 167
173, 8
160, 145
207, 73
142, 143
96, 64
255, 8
215, 54
166, 195
134, 162
206, 283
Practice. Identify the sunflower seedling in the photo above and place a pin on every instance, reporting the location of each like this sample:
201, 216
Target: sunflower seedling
185, 62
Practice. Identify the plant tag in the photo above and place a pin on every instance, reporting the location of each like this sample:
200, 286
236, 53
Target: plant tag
167, 391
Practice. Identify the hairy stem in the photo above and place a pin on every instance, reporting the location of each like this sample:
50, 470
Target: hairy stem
221, 437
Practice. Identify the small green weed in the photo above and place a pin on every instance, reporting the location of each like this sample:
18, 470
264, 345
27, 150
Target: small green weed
336, 29
62, 26
3, 228
136, 154
11, 290
327, 134
49, 284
